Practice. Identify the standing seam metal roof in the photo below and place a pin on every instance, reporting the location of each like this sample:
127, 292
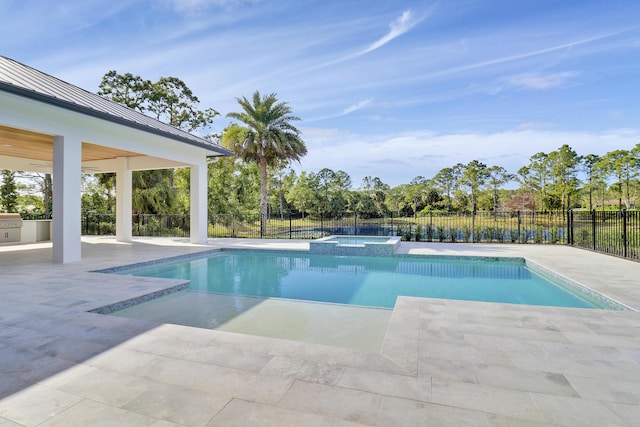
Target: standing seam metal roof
26, 81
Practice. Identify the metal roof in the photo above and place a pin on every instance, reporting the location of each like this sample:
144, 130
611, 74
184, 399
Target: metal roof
26, 81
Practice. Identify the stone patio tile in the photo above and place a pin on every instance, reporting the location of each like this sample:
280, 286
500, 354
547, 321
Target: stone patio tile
10, 384
518, 379
108, 387
402, 352
35, 404
123, 360
207, 352
629, 413
65, 376
604, 339
240, 413
410, 387
496, 343
96, 414
608, 391
349, 405
403, 412
447, 369
584, 352
609, 329
575, 412
177, 404
211, 378
75, 350
498, 420
465, 354
514, 403
307, 370
8, 423
448, 336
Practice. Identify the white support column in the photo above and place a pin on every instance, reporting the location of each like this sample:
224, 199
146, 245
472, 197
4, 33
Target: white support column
67, 170
123, 200
198, 198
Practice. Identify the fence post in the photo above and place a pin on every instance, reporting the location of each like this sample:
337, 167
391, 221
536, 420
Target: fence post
593, 229
321, 224
430, 238
290, 228
355, 223
624, 233
519, 228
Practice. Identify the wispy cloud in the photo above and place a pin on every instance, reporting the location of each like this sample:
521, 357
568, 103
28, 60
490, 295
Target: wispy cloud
355, 107
524, 55
190, 6
540, 81
401, 25
348, 110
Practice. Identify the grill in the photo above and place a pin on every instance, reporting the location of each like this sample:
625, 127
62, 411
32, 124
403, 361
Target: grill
10, 227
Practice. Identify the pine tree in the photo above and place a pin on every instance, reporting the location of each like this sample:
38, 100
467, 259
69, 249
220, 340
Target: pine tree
8, 191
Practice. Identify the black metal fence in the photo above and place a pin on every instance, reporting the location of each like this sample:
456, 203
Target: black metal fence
611, 232
174, 225
499, 227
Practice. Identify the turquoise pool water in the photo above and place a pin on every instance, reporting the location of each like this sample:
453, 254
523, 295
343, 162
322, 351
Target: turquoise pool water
367, 281
342, 240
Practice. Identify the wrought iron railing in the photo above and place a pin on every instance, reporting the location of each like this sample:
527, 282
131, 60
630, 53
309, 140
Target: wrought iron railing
610, 232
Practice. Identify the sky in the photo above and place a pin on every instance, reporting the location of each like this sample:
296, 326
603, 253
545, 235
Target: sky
388, 89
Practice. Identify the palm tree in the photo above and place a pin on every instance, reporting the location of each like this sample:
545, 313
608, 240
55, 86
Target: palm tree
267, 138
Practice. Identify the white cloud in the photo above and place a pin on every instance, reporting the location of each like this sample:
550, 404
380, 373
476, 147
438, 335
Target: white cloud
355, 107
398, 27
399, 158
540, 81
190, 6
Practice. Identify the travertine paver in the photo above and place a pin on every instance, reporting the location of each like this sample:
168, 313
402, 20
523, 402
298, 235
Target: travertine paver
442, 363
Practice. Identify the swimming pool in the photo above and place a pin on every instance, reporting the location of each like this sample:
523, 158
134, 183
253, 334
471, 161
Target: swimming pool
368, 281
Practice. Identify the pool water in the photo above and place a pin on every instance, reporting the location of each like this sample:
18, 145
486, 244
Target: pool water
358, 240
367, 281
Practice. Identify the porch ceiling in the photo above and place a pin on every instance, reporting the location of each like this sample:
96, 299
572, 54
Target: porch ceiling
39, 147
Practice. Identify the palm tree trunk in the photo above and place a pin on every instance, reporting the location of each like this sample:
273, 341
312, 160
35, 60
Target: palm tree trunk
264, 197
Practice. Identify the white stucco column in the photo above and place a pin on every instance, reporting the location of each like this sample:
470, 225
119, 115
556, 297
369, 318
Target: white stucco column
123, 200
198, 198
67, 170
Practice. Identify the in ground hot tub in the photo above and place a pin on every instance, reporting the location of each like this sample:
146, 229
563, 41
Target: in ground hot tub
355, 245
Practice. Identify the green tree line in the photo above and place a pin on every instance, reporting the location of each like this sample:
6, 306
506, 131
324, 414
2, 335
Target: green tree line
259, 179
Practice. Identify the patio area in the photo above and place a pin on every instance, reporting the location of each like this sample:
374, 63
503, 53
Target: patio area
443, 362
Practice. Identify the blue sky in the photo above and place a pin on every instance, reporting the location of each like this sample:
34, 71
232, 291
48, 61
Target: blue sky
393, 89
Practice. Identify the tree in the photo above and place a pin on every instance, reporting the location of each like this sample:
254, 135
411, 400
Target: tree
8, 191
267, 138
623, 165
497, 177
474, 177
376, 191
170, 101
447, 180
563, 167
333, 191
590, 167
302, 194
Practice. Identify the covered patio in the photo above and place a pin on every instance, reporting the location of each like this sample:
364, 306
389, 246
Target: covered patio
50, 126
